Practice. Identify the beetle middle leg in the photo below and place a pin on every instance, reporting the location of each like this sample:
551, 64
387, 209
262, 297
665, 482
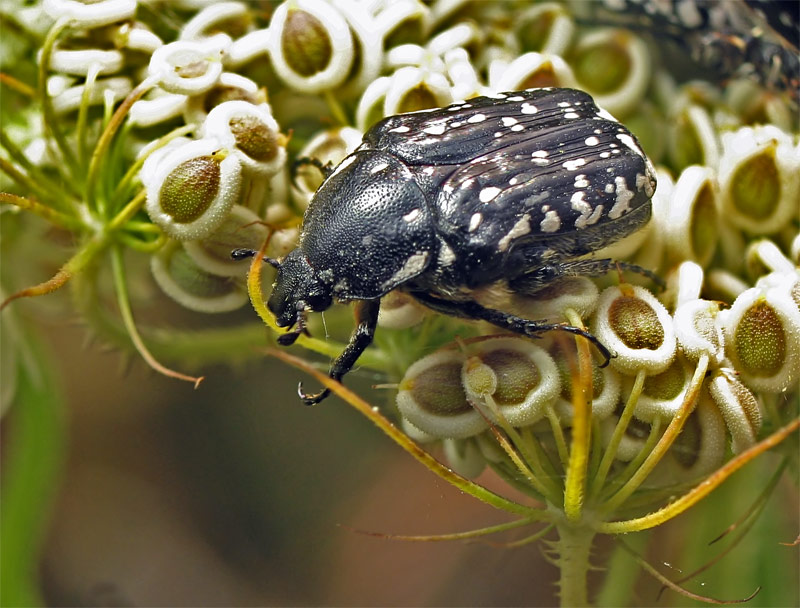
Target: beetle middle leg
518, 325
366, 312
531, 282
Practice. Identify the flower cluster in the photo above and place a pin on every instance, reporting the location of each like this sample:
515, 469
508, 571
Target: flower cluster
182, 143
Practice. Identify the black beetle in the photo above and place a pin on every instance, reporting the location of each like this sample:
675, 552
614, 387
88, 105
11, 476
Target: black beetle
461, 206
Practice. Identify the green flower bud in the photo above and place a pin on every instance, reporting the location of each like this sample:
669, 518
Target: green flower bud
739, 408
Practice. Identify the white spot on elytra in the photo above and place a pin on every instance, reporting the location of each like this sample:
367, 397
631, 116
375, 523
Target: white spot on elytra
572, 165
522, 227
428, 170
474, 222
564, 104
344, 164
582, 207
571, 115
528, 108
412, 267
400, 129
628, 141
498, 133
542, 162
476, 118
434, 129
591, 141
624, 197
517, 128
551, 222
488, 194
512, 181
516, 98
540, 154
609, 188
603, 114
605, 154
508, 121
581, 181
411, 215
378, 167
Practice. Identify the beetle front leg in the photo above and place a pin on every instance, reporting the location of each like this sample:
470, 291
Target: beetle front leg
366, 312
518, 325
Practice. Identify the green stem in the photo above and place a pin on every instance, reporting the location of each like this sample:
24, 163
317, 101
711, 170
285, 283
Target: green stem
51, 215
51, 124
34, 437
572, 550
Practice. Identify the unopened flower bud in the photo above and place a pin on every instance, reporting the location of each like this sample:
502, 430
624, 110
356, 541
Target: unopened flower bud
663, 393
91, 14
614, 66
545, 28
699, 332
700, 447
759, 175
432, 397
189, 67
692, 218
400, 311
692, 139
532, 70
464, 457
192, 189
632, 323
739, 409
311, 45
189, 285
241, 228
762, 338
521, 379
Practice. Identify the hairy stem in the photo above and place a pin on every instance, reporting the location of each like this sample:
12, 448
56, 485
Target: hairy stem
572, 558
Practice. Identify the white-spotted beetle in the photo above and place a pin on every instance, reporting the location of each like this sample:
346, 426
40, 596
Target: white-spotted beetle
460, 206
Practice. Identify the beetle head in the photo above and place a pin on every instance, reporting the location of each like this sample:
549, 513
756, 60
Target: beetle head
296, 291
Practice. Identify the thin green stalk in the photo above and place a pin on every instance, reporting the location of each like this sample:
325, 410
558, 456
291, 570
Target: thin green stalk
635, 464
99, 154
123, 301
83, 113
51, 123
38, 176
28, 183
619, 432
57, 218
669, 436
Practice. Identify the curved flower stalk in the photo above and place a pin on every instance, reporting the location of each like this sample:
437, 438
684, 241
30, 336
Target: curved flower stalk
161, 149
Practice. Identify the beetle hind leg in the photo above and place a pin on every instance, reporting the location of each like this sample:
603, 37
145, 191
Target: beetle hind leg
503, 320
531, 282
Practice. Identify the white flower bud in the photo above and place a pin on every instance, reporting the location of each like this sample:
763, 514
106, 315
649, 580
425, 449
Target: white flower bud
80, 62
192, 189
762, 338
214, 15
311, 45
632, 323
692, 139
432, 397
400, 311
614, 66
759, 176
739, 408
160, 107
329, 146
136, 37
699, 332
464, 457
91, 14
462, 74
182, 280
550, 303
700, 447
71, 99
692, 217
241, 228
606, 387
189, 67
663, 393
251, 132
533, 70
247, 48
545, 28
401, 19
521, 379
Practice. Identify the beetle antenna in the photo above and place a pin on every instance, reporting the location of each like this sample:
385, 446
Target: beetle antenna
243, 254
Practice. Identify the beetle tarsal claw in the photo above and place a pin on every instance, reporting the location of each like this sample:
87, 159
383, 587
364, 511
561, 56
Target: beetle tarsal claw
312, 399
